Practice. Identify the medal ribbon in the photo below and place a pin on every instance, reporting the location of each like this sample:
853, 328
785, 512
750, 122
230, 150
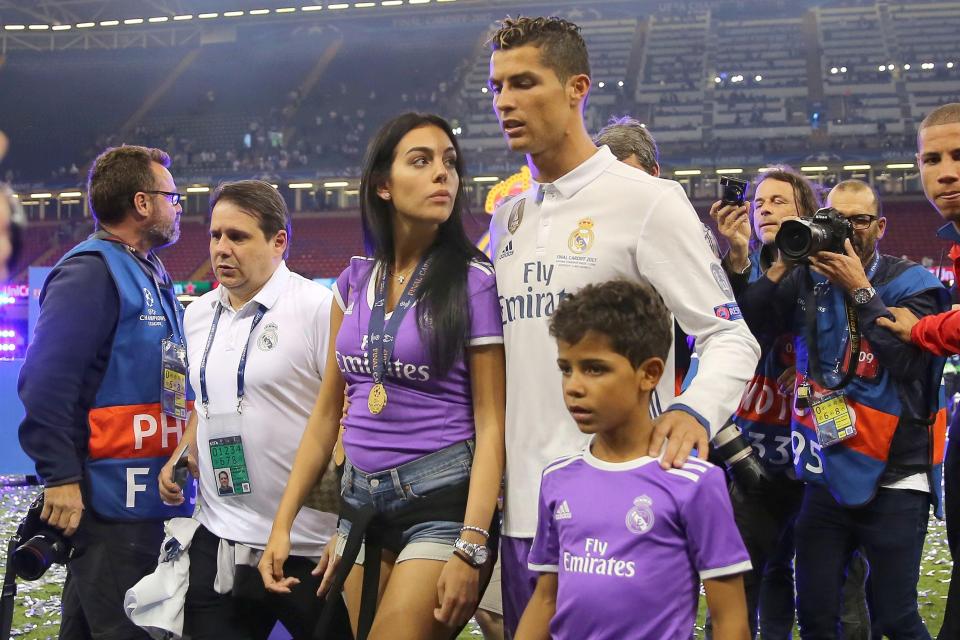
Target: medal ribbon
382, 339
241, 369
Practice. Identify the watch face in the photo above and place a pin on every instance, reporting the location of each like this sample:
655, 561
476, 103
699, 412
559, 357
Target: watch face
481, 555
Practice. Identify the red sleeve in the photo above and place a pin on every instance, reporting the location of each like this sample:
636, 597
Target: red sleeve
938, 334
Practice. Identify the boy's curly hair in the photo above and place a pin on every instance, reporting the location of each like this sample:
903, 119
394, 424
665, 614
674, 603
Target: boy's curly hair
631, 314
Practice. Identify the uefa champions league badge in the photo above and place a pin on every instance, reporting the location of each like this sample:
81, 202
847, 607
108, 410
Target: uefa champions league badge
640, 516
270, 337
582, 237
722, 281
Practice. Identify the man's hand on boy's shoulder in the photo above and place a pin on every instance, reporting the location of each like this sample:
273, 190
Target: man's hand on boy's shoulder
683, 434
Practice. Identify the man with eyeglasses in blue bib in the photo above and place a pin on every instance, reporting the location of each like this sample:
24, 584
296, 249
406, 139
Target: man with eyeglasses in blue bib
105, 393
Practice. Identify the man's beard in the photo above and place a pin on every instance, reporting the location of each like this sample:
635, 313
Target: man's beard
161, 235
864, 249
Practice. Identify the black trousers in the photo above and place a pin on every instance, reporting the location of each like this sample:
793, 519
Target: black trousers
250, 612
114, 557
951, 489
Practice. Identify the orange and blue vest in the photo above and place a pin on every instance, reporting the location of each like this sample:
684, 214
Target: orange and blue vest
900, 424
764, 414
130, 438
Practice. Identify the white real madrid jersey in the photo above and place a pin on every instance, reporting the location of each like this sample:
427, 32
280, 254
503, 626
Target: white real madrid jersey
604, 220
286, 357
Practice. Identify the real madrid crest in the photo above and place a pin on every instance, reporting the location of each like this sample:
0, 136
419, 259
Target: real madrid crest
640, 516
270, 337
516, 216
582, 237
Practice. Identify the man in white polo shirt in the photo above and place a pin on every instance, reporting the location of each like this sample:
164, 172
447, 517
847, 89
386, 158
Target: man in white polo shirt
590, 219
258, 346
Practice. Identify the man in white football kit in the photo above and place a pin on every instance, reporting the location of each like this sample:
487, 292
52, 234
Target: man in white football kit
588, 219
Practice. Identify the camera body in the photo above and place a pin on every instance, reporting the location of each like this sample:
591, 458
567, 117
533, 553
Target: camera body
733, 190
38, 545
827, 230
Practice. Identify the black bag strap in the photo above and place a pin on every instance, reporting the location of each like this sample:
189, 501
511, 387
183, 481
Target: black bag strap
9, 593
374, 529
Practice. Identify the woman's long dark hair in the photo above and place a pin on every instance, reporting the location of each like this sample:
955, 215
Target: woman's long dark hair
443, 296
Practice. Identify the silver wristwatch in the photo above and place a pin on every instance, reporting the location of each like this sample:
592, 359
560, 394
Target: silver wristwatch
476, 555
863, 295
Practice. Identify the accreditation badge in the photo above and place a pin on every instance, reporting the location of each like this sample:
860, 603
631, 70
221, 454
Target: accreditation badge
173, 394
832, 419
231, 476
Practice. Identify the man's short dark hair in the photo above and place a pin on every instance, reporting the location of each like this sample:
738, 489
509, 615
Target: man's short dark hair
260, 200
116, 175
631, 314
561, 46
627, 137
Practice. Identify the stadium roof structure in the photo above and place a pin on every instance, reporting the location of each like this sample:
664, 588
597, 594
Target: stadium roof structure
117, 24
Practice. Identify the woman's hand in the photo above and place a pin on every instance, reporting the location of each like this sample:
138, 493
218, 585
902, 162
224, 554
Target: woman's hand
458, 592
327, 566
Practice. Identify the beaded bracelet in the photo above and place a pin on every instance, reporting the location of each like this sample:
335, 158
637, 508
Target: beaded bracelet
483, 532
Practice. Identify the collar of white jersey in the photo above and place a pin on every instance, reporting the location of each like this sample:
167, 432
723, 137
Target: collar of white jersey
268, 294
586, 172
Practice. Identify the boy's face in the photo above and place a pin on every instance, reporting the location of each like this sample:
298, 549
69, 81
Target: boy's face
601, 389
532, 105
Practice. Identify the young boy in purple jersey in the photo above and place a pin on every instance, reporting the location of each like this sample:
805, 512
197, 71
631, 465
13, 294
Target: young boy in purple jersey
621, 543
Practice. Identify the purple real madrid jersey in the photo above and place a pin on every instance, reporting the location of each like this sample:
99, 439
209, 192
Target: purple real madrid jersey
631, 542
425, 411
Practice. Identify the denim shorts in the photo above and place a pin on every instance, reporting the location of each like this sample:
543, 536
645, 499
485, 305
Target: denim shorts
393, 489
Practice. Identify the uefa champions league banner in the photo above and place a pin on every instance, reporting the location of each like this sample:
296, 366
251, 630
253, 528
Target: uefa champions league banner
13, 461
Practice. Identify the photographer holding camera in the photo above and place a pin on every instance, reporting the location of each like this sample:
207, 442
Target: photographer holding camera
867, 424
104, 388
764, 507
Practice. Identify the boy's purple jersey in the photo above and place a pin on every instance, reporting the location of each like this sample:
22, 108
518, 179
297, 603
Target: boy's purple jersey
425, 412
631, 543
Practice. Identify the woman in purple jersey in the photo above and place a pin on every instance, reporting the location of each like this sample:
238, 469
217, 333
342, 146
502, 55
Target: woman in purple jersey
423, 431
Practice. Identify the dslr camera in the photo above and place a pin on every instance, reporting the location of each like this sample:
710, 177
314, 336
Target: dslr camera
38, 545
827, 230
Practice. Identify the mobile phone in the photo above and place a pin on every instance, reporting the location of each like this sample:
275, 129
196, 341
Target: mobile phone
180, 470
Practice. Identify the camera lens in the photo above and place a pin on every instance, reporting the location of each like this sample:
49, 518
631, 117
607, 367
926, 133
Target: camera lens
795, 239
32, 559
739, 457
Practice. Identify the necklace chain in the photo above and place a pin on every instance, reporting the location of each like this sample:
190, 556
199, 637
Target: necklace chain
402, 277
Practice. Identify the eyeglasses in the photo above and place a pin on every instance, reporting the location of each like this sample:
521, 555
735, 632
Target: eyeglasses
862, 221
173, 197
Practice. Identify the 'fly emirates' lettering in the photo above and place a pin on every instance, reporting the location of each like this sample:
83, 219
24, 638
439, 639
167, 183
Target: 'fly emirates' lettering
538, 301
394, 368
595, 562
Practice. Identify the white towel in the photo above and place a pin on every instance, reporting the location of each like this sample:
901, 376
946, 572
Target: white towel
156, 602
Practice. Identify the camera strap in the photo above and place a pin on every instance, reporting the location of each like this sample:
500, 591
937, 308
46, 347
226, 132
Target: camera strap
9, 591
813, 352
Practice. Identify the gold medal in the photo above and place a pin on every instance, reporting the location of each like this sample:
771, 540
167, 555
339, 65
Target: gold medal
377, 399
